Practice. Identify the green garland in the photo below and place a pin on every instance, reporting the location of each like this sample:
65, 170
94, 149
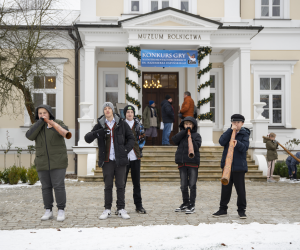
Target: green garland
132, 68
135, 51
203, 52
206, 116
205, 70
133, 84
204, 101
139, 117
134, 101
206, 84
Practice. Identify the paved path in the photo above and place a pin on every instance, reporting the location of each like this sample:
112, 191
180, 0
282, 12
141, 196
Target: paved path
21, 208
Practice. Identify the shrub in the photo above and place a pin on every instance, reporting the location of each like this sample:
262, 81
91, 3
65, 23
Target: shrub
5, 174
32, 176
0, 177
23, 174
14, 175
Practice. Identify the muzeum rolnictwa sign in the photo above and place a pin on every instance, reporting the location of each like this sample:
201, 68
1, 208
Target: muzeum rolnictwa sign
169, 36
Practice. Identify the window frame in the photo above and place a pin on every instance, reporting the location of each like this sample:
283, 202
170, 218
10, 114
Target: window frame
159, 4
284, 10
189, 5
140, 7
218, 90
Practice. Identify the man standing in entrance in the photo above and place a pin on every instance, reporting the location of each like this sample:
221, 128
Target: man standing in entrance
151, 121
167, 112
187, 108
115, 141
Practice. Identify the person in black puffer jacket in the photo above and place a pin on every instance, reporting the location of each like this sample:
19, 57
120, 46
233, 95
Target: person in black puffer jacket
115, 141
188, 167
238, 168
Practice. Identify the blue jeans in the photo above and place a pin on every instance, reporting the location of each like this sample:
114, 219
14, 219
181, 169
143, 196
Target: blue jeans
166, 133
291, 171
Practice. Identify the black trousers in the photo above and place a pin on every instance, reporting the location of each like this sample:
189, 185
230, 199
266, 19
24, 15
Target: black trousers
135, 167
238, 179
188, 179
111, 171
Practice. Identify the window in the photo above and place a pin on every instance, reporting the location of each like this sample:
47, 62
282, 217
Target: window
44, 91
165, 4
213, 93
271, 92
111, 88
135, 5
184, 5
270, 8
154, 5
157, 81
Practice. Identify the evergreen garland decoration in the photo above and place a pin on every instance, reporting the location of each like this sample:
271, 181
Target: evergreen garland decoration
135, 51
204, 101
203, 52
132, 68
139, 117
205, 70
206, 116
133, 84
206, 84
133, 101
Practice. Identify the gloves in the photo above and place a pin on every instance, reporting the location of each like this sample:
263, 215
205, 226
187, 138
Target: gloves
101, 132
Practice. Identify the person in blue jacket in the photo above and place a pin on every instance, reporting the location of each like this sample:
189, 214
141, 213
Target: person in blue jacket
292, 166
238, 168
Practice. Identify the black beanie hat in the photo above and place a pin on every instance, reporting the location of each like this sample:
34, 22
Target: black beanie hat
129, 107
168, 97
237, 117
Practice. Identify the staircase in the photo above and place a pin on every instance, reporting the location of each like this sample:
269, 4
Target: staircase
158, 164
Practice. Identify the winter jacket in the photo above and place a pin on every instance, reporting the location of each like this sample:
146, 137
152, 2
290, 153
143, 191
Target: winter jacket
139, 138
167, 112
181, 139
51, 150
147, 117
271, 149
291, 162
123, 140
239, 162
187, 108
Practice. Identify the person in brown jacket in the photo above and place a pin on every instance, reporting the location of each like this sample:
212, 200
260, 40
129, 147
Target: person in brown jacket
272, 155
187, 108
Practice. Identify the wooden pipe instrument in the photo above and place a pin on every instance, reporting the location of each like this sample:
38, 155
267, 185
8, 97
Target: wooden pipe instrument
190, 145
228, 162
63, 132
267, 138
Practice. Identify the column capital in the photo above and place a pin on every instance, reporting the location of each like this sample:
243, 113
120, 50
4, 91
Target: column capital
90, 48
245, 49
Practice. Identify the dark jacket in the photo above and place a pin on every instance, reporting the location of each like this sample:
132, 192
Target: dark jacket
167, 112
291, 162
239, 162
271, 149
181, 139
123, 140
51, 150
139, 134
147, 116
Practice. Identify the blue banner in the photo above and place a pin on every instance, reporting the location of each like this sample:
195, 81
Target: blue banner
169, 58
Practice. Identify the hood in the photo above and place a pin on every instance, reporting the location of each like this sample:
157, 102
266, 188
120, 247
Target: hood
48, 108
102, 119
265, 140
245, 131
191, 119
164, 102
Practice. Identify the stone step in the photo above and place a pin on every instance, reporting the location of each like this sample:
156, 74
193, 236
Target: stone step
174, 148
172, 163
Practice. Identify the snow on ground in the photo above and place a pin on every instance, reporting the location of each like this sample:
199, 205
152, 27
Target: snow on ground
204, 236
20, 184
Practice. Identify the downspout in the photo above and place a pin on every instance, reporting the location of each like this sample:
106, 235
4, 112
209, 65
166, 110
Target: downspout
78, 46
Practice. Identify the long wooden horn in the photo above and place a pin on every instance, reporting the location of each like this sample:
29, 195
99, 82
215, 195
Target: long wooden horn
228, 162
191, 146
297, 159
63, 132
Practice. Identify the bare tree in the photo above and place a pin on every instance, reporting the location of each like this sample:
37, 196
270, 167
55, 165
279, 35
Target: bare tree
30, 32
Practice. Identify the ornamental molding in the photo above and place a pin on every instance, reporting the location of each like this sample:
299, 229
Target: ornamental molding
270, 65
112, 53
169, 30
170, 18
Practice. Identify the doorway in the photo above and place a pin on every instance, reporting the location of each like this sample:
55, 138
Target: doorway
155, 87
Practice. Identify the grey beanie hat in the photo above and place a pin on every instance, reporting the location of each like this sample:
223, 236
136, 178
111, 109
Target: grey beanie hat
108, 104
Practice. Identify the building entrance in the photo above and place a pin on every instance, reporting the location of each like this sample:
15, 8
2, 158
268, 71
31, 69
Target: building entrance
155, 87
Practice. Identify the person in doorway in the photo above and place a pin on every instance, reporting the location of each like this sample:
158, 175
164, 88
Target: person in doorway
51, 160
151, 121
135, 156
292, 166
188, 105
272, 155
167, 112
188, 167
238, 168
115, 141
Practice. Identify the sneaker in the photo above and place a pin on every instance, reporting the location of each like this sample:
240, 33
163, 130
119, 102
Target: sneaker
140, 210
106, 213
220, 213
190, 209
270, 180
182, 207
291, 178
48, 215
123, 214
61, 215
242, 215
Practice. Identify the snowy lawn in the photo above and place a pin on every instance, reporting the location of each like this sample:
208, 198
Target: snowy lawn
204, 236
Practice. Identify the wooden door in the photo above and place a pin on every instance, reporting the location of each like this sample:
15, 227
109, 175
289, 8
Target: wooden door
155, 87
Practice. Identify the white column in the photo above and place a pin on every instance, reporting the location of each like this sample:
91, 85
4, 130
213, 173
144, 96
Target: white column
90, 85
229, 98
133, 76
205, 128
245, 88
191, 83
232, 11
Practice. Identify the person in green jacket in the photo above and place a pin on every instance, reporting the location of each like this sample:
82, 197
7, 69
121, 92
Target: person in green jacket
51, 160
151, 121
271, 145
